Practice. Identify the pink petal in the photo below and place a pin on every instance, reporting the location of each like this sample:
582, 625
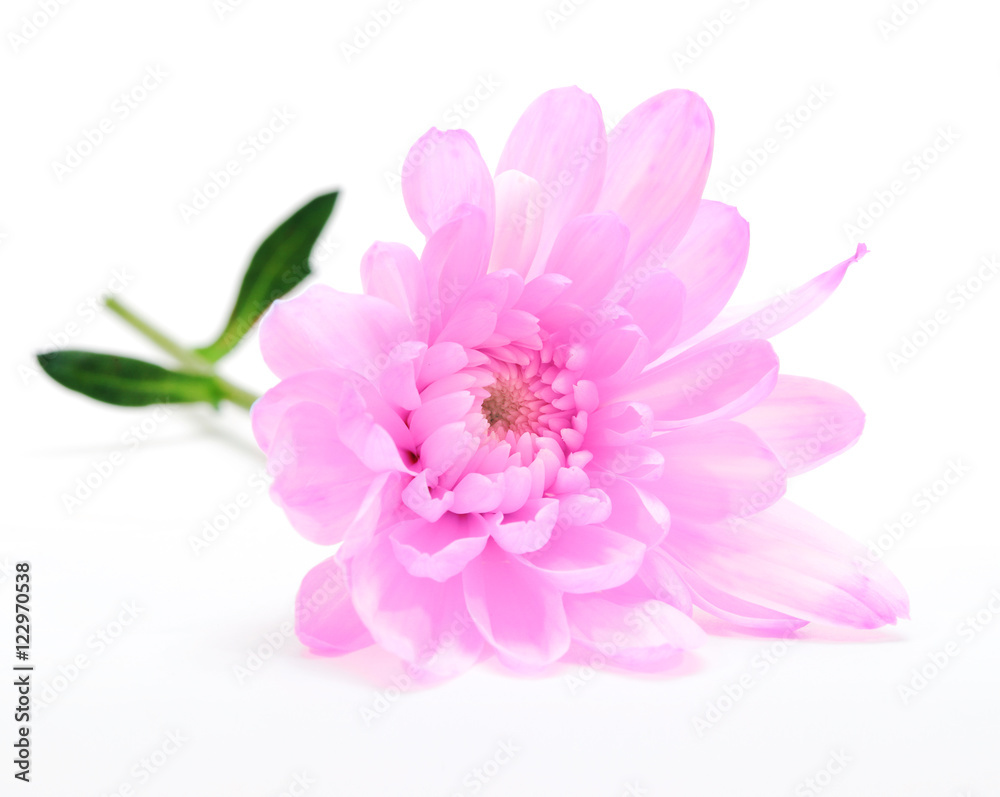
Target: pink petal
640, 637
636, 511
560, 142
453, 260
392, 272
715, 471
326, 388
707, 384
421, 620
325, 620
719, 603
767, 319
528, 528
590, 250
437, 412
656, 305
789, 561
617, 357
476, 492
806, 422
518, 223
441, 549
515, 609
323, 487
619, 424
587, 559
324, 328
658, 159
444, 170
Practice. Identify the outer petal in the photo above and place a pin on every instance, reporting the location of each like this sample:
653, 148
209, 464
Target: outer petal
640, 637
590, 250
325, 387
658, 159
767, 319
441, 549
519, 222
323, 487
420, 620
657, 304
324, 328
806, 422
560, 142
707, 384
454, 260
587, 559
710, 261
787, 560
444, 170
716, 470
392, 272
721, 604
515, 609
325, 620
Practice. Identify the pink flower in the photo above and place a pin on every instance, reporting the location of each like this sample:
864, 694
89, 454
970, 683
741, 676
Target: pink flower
540, 434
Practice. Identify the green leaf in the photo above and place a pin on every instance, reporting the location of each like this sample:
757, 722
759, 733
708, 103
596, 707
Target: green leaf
125, 381
280, 263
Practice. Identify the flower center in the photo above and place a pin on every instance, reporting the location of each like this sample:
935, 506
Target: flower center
511, 406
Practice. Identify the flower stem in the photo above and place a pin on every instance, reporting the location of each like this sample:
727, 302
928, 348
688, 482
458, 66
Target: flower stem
186, 357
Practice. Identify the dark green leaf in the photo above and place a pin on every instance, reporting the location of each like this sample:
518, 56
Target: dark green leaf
125, 381
279, 264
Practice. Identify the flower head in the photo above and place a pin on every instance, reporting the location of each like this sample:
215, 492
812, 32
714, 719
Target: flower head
540, 434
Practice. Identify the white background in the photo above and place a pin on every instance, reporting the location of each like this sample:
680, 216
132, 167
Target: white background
200, 616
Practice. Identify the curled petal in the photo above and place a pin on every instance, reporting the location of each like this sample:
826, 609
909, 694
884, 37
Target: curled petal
441, 549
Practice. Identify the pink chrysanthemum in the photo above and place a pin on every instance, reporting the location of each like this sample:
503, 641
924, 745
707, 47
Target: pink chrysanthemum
539, 435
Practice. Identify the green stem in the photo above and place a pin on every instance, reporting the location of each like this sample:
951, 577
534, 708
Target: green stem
187, 358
